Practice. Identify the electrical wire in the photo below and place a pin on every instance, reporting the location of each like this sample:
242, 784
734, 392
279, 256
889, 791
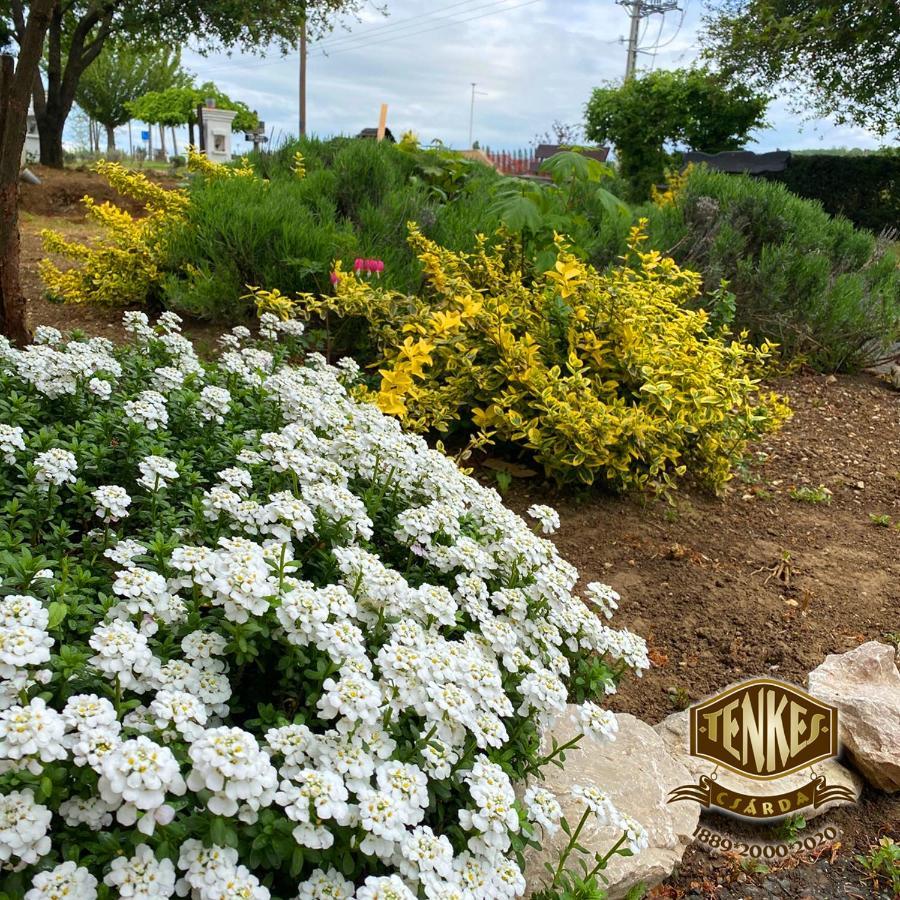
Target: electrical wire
388, 40
402, 24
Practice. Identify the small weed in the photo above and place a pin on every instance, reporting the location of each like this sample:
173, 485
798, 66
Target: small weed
882, 862
679, 697
503, 479
788, 829
893, 637
804, 494
882, 520
753, 866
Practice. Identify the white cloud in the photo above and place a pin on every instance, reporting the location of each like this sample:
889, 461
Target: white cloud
535, 62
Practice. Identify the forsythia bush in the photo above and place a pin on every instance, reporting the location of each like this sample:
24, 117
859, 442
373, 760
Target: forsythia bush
126, 266
600, 375
256, 642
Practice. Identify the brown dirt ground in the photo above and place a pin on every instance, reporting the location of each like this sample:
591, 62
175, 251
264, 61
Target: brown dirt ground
700, 579
752, 583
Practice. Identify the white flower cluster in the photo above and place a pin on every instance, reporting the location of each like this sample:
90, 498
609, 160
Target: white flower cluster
442, 634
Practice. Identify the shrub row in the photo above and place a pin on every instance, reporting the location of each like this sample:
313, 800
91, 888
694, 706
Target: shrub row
865, 189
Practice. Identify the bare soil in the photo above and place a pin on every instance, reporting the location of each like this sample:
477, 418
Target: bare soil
759, 582
756, 582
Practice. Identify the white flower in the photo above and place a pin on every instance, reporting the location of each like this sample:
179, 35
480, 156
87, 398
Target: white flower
353, 697
156, 472
138, 774
229, 763
546, 516
125, 551
88, 712
11, 440
46, 334
93, 812
142, 876
636, 837
182, 710
214, 404
330, 885
123, 652
112, 502
384, 887
603, 597
598, 723
543, 809
137, 323
203, 645
55, 466
23, 828
66, 881
148, 409
100, 388
31, 735
597, 802
167, 378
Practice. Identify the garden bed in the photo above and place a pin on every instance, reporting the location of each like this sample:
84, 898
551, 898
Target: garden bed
764, 581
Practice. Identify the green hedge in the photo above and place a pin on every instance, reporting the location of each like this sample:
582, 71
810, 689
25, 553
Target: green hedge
864, 189
812, 283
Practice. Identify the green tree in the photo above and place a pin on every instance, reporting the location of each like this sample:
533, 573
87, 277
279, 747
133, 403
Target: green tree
647, 117
843, 54
122, 73
79, 29
178, 106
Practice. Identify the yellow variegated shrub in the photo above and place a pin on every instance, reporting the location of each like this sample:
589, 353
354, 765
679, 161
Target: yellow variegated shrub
123, 268
600, 376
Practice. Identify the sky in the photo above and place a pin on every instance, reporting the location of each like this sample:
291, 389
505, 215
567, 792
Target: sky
533, 62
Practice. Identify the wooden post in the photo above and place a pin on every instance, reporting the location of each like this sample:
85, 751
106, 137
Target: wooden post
382, 121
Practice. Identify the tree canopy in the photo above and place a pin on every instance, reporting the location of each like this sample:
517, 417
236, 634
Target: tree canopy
667, 110
79, 30
178, 106
844, 55
122, 73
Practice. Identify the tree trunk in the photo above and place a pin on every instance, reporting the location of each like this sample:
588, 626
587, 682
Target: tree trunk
16, 82
82, 44
162, 139
110, 139
50, 129
174, 143
191, 135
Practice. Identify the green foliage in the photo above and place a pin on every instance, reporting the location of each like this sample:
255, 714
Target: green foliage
845, 56
882, 863
122, 73
809, 282
647, 117
863, 188
178, 106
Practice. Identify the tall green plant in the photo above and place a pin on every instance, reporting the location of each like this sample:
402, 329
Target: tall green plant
648, 117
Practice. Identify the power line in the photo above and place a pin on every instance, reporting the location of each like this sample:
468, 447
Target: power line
402, 24
389, 40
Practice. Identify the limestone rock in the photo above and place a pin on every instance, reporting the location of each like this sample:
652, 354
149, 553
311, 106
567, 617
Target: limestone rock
864, 684
674, 732
637, 772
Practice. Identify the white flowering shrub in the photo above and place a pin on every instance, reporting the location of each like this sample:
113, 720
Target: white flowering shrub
257, 642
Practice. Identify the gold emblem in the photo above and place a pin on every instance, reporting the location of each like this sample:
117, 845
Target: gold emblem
763, 730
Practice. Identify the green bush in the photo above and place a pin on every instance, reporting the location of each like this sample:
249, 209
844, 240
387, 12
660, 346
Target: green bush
812, 283
281, 231
864, 188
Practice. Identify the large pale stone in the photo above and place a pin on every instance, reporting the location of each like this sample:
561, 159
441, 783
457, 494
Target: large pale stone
864, 685
637, 772
675, 734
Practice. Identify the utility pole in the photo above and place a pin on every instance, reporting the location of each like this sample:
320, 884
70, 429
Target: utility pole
472, 113
302, 121
640, 9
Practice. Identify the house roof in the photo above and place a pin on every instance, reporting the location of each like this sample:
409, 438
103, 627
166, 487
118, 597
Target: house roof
742, 162
545, 151
372, 134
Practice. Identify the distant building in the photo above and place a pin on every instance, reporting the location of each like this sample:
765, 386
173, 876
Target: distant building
371, 134
742, 162
544, 151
